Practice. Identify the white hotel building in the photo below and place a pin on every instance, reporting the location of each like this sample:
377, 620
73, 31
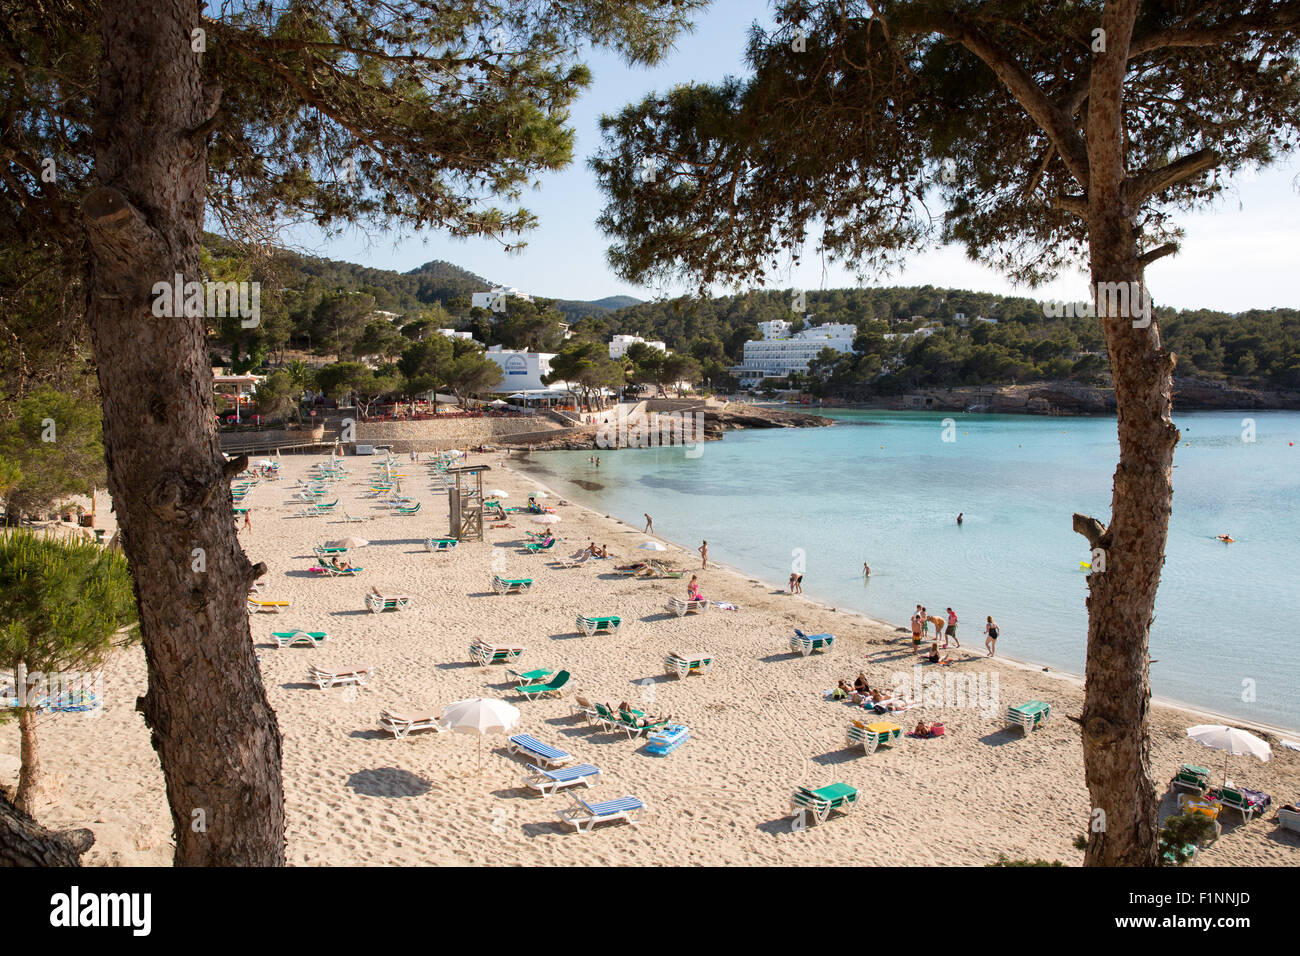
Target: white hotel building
779, 354
619, 345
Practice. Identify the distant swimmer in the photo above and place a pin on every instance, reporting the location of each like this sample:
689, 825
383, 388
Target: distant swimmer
1225, 538
866, 570
959, 514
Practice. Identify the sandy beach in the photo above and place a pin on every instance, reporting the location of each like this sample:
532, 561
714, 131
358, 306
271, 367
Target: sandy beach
759, 723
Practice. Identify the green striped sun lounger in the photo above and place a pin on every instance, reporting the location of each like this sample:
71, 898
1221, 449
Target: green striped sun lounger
682, 665
306, 638
539, 676
820, 803
1029, 716
485, 654
554, 686
1192, 778
805, 644
386, 602
510, 585
439, 544
599, 625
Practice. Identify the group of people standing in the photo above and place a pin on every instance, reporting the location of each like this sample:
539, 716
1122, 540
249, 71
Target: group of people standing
946, 627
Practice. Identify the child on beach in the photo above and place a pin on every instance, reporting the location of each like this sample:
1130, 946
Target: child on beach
916, 627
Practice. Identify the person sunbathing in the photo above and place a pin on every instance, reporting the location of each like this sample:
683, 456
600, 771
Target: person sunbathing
842, 690
593, 550
922, 729
933, 656
860, 684
604, 552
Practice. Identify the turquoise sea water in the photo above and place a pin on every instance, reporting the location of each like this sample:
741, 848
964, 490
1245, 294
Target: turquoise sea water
884, 487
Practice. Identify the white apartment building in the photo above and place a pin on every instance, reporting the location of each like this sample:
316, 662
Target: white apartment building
453, 334
779, 357
619, 345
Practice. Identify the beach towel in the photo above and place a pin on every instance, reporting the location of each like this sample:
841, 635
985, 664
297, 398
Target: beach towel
726, 605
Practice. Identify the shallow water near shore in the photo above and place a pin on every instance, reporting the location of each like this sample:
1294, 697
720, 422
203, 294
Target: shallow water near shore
889, 494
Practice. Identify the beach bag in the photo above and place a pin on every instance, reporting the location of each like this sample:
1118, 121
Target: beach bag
936, 730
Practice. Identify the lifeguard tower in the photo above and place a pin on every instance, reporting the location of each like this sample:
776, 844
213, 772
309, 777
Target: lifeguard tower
465, 502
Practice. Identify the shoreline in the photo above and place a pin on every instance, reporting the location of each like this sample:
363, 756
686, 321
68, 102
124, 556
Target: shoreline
1042, 669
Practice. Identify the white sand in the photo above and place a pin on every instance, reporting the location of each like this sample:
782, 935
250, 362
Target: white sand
759, 724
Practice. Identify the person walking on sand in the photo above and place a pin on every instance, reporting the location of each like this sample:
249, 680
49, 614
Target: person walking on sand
704, 555
649, 525
951, 633
991, 641
248, 520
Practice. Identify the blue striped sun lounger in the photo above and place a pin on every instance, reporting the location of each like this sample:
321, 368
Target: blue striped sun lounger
583, 816
548, 782
534, 748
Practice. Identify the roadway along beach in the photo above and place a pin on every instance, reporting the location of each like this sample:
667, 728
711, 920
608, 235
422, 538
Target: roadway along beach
759, 723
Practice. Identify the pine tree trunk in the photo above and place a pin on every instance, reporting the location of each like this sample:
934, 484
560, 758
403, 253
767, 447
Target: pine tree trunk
29, 771
212, 726
1116, 713
24, 842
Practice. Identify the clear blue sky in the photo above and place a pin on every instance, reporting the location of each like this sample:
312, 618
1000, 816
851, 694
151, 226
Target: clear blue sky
1244, 253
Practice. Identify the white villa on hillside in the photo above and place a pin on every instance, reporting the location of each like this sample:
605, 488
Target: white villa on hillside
619, 345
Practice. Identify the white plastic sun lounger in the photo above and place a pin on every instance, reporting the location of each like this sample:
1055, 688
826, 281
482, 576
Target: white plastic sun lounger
485, 654
402, 723
682, 665
538, 751
548, 782
356, 675
387, 602
256, 606
583, 816
682, 608
285, 639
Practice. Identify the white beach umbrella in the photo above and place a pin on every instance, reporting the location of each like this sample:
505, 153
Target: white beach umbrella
263, 463
547, 519
1230, 740
539, 494
349, 543
651, 546
480, 715
496, 493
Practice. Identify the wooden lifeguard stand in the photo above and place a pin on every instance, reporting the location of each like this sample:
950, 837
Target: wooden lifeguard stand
465, 502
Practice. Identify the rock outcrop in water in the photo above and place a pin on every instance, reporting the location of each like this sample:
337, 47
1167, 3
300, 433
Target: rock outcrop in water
718, 419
